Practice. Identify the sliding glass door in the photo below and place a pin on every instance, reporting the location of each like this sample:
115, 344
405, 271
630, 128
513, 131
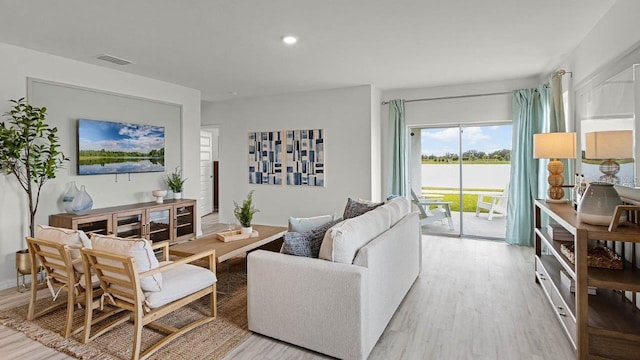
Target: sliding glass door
459, 175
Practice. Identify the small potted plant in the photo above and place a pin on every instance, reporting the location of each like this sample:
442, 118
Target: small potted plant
175, 182
244, 213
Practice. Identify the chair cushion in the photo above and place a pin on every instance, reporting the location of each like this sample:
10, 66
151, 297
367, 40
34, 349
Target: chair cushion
356, 208
305, 224
398, 207
139, 249
306, 243
95, 281
179, 282
342, 242
72, 238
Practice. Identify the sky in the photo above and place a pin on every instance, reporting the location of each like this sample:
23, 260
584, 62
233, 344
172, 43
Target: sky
114, 136
439, 141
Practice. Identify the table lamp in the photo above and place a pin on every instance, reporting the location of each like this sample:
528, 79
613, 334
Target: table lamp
609, 145
559, 145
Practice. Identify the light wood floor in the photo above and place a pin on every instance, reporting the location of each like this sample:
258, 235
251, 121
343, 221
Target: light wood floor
473, 300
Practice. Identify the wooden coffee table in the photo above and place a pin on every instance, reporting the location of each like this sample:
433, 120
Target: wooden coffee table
228, 250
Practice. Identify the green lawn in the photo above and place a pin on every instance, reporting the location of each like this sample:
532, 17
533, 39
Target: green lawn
469, 200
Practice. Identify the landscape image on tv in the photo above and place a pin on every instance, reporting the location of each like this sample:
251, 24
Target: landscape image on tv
106, 147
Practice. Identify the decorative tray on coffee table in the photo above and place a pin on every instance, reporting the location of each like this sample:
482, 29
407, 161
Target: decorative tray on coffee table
234, 235
599, 257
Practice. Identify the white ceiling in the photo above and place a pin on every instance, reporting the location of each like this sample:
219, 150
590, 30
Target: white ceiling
223, 46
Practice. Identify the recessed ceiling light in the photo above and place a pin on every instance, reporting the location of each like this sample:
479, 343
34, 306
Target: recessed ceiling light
289, 39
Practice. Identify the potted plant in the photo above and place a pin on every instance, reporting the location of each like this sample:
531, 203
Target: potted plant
175, 182
29, 150
244, 213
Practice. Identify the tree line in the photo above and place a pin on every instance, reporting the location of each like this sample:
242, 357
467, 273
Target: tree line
156, 153
471, 155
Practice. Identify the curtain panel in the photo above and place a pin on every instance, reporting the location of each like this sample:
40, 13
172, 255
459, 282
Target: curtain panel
398, 148
529, 108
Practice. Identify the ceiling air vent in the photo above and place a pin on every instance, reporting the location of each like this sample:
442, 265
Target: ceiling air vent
113, 59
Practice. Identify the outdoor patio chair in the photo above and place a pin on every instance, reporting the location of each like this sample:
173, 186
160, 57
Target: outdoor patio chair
428, 215
123, 285
495, 203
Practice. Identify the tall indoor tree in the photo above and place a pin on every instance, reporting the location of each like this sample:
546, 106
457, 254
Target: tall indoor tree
29, 149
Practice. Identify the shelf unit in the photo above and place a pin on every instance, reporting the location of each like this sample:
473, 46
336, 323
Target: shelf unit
601, 326
173, 221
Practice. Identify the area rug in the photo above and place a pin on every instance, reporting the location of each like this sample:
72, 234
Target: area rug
210, 341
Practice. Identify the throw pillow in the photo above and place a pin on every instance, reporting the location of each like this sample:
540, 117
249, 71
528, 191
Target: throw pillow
356, 208
306, 224
306, 243
139, 249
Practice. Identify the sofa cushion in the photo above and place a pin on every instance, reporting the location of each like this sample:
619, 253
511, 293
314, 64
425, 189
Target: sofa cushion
179, 282
139, 249
71, 238
356, 208
398, 207
306, 243
306, 224
342, 242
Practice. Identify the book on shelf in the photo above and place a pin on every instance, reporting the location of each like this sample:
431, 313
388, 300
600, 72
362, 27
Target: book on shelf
558, 233
570, 284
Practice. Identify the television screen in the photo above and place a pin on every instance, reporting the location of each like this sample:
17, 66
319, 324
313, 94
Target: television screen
106, 147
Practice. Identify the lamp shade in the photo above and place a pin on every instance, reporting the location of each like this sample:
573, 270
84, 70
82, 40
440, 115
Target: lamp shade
609, 144
558, 145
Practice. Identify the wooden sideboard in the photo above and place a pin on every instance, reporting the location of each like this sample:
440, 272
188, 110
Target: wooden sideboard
173, 220
601, 326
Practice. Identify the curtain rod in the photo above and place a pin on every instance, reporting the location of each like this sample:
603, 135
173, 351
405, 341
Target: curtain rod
560, 72
454, 97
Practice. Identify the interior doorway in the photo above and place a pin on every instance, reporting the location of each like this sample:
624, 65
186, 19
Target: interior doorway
207, 194
452, 168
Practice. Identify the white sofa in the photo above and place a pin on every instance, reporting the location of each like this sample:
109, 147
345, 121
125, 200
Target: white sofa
335, 308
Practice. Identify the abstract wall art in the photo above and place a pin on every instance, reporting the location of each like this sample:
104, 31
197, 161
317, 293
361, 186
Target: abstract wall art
305, 157
265, 157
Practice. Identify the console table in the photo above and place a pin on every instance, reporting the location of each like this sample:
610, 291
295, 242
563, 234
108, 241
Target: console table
173, 220
606, 325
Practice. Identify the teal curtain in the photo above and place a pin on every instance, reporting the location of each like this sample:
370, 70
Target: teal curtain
557, 121
529, 107
553, 120
556, 115
398, 147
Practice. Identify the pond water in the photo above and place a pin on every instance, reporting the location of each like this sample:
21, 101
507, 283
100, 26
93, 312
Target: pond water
490, 176
121, 167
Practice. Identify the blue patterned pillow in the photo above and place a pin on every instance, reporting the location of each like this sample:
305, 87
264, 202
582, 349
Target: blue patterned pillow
356, 208
306, 243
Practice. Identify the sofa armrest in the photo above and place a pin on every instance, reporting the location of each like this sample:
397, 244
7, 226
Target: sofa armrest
313, 303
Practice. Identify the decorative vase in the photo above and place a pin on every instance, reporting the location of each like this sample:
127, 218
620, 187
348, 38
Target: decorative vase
68, 196
246, 230
159, 194
598, 204
82, 202
177, 195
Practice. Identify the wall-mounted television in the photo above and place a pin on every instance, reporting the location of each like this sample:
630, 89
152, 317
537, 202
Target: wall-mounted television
106, 147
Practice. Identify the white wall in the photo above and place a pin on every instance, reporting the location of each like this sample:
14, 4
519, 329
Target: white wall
18, 64
485, 109
616, 33
376, 150
344, 114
